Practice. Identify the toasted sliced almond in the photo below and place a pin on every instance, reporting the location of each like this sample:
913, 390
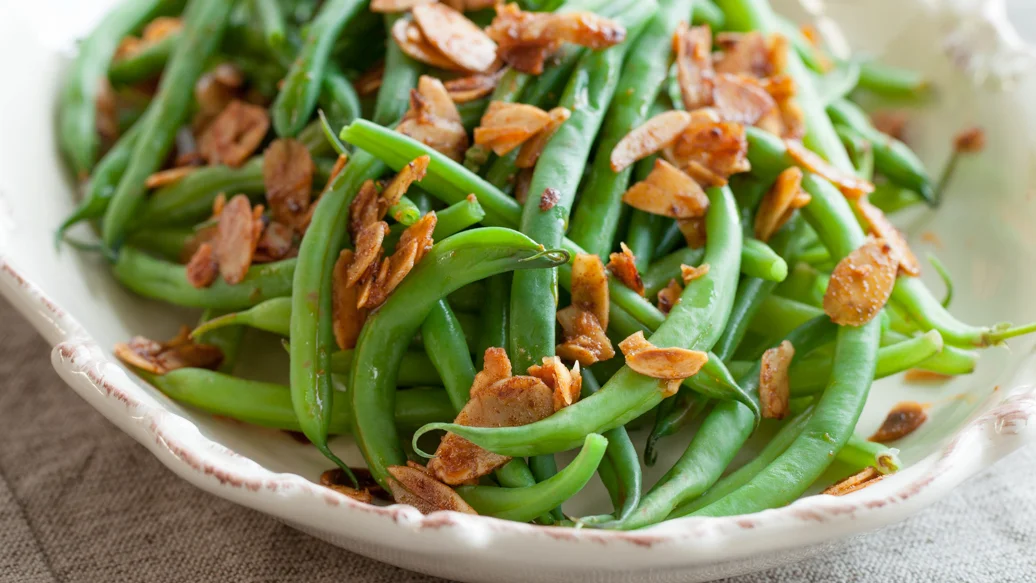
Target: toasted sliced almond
411, 40
858, 481
522, 181
509, 402
235, 134
277, 242
774, 388
741, 99
496, 366
412, 246
368, 252
167, 177
423, 492
851, 186
880, 226
440, 104
472, 87
970, 141
654, 135
861, 284
456, 37
774, 208
237, 236
749, 53
623, 265
891, 121
566, 384
527, 38
669, 296
695, 74
288, 177
710, 151
505, 126
661, 363
202, 269
917, 375
669, 193
689, 273
396, 5
335, 480
347, 317
414, 171
365, 208
693, 231
585, 339
438, 132
590, 286
901, 421
534, 146
161, 358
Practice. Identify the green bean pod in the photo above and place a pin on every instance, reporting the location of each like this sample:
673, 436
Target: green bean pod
665, 268
759, 260
839, 83
228, 340
147, 63
272, 17
273, 315
889, 81
447, 349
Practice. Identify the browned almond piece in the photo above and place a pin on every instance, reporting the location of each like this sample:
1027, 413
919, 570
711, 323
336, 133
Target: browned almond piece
709, 150
669, 296
472, 87
744, 54
585, 339
693, 231
412, 42
566, 384
509, 402
623, 265
445, 137
202, 269
741, 100
970, 141
139, 353
167, 177
288, 177
414, 171
590, 286
365, 208
456, 37
858, 481
423, 492
901, 421
582, 28
496, 366
505, 126
277, 242
396, 5
412, 246
861, 284
370, 81
438, 99
654, 135
773, 209
694, 71
235, 134
368, 252
689, 273
851, 186
880, 226
660, 362
533, 148
237, 236
348, 319
774, 388
668, 192
161, 358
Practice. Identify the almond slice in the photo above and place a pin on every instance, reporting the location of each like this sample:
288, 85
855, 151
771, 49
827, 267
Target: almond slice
288, 172
749, 53
566, 384
901, 421
416, 488
526, 38
694, 72
774, 209
651, 137
590, 286
237, 236
851, 186
440, 104
741, 99
774, 388
689, 273
472, 87
585, 339
534, 146
365, 208
505, 126
368, 252
235, 134
396, 5
861, 284
669, 193
434, 121
669, 296
623, 265
161, 358
880, 226
496, 366
661, 363
202, 269
347, 318
277, 242
456, 37
412, 42
866, 477
414, 171
709, 150
693, 231
167, 177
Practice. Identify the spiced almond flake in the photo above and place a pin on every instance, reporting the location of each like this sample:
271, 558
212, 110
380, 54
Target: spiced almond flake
970, 141
423, 492
901, 421
774, 387
438, 100
396, 5
277, 242
162, 357
433, 120
202, 268
751, 54
526, 39
623, 265
668, 192
168, 176
154, 31
741, 99
237, 235
472, 87
414, 171
654, 135
235, 134
689, 273
533, 147
506, 126
365, 208
693, 231
508, 402
662, 363
880, 226
413, 245
585, 339
565, 383
694, 71
851, 186
891, 121
710, 150
866, 477
288, 177
861, 284
346, 317
590, 286
917, 375
777, 206
456, 37
368, 252
549, 198
412, 42
496, 366
335, 480
669, 296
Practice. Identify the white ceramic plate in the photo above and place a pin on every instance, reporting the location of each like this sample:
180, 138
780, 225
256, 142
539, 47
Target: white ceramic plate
984, 234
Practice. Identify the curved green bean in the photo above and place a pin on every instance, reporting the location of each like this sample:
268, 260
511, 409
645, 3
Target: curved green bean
147, 63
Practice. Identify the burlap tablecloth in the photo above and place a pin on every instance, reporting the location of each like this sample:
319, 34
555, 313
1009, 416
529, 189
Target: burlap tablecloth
80, 501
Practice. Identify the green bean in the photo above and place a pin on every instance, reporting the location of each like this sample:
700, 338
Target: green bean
891, 198
167, 243
839, 83
811, 56
620, 459
273, 315
706, 12
449, 221
673, 415
642, 235
269, 404
860, 454
759, 260
401, 74
451, 264
161, 280
227, 340
595, 221
338, 97
294, 104
860, 150
894, 159
147, 63
103, 182
524, 504
662, 270
204, 22
695, 322
415, 369
448, 351
190, 199
949, 361
272, 17
77, 111
495, 316
889, 81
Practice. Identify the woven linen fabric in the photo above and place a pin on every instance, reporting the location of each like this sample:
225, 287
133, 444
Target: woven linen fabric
82, 502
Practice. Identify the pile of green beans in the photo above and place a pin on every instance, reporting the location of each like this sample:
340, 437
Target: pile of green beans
498, 270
